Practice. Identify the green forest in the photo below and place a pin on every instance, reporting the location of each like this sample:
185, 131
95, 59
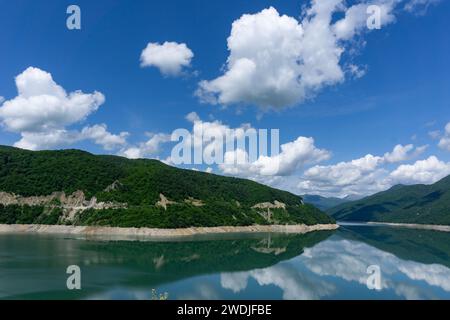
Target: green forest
226, 201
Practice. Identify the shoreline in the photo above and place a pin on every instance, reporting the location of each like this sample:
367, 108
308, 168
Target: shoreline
442, 228
150, 233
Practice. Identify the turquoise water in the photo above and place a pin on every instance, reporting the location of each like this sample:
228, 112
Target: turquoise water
414, 264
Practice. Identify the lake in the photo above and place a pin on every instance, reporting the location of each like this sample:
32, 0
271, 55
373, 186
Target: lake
413, 264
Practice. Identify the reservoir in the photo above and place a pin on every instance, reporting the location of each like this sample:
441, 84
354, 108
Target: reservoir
413, 264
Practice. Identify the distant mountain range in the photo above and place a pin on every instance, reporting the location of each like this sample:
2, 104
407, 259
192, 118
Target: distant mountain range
78, 188
323, 203
421, 204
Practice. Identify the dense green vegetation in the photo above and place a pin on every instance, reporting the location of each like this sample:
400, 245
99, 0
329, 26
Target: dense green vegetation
323, 203
14, 214
423, 204
210, 215
138, 184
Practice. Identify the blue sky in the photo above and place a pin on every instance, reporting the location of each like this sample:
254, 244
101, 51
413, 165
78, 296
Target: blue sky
402, 96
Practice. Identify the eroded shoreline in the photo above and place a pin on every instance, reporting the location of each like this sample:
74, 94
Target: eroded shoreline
149, 233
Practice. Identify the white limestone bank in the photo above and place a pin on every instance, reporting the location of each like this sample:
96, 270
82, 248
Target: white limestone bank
412, 226
143, 233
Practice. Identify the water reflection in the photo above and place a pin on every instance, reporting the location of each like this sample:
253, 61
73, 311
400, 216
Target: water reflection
34, 266
322, 265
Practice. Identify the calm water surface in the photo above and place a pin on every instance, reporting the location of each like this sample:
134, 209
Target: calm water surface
415, 264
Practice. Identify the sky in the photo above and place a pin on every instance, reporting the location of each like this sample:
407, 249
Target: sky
358, 109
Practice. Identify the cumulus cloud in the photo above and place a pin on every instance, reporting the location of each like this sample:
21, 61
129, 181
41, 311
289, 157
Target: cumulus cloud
100, 135
170, 57
402, 153
293, 156
355, 20
42, 105
277, 61
46, 139
42, 110
444, 142
61, 137
358, 176
424, 171
361, 176
202, 137
147, 149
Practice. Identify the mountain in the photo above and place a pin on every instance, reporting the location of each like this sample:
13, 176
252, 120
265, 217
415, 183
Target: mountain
421, 204
323, 203
77, 188
352, 197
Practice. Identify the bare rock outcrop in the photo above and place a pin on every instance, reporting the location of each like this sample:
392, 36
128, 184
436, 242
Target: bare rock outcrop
194, 202
164, 202
264, 208
71, 204
116, 185
268, 205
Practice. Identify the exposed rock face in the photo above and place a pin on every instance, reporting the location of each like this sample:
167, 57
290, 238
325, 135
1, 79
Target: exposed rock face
12, 199
268, 205
116, 185
194, 202
164, 202
71, 204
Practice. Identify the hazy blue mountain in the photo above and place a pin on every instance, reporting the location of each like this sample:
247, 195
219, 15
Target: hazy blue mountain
323, 203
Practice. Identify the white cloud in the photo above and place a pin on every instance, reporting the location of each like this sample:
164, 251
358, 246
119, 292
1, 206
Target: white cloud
2, 99
203, 136
435, 134
42, 110
147, 149
361, 176
276, 61
47, 139
62, 137
355, 20
207, 137
293, 156
170, 57
444, 142
42, 105
424, 171
100, 135
419, 6
402, 153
